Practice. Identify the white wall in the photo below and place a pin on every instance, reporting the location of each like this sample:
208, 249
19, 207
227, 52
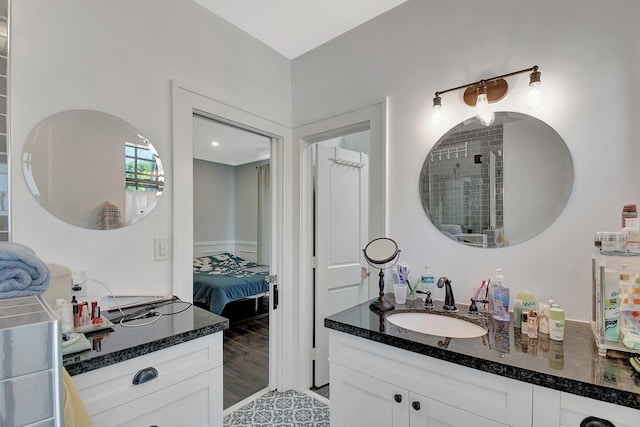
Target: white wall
120, 57
214, 209
588, 54
225, 201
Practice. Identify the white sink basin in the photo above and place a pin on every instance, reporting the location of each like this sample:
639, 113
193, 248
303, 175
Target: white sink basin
435, 324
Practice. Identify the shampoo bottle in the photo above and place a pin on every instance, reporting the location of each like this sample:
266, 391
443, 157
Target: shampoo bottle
500, 298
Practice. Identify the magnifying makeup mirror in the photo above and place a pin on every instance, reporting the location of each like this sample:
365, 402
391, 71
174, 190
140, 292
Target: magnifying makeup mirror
382, 253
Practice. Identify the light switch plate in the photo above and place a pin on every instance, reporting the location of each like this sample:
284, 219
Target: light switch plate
162, 248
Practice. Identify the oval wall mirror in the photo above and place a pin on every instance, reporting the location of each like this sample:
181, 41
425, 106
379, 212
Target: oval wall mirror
499, 185
92, 170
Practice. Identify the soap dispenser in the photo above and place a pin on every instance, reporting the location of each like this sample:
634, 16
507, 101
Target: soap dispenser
500, 298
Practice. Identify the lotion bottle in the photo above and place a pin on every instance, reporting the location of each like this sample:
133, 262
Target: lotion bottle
556, 323
500, 298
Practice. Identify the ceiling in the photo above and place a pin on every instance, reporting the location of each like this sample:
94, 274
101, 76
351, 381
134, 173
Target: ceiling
234, 146
293, 27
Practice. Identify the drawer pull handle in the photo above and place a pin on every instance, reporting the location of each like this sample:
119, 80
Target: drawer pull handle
416, 405
144, 375
397, 398
596, 422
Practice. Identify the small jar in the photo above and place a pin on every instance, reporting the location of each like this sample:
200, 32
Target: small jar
628, 211
612, 241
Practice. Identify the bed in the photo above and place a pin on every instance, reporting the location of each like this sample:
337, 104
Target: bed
222, 278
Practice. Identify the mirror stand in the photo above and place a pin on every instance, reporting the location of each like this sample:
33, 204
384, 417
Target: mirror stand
381, 304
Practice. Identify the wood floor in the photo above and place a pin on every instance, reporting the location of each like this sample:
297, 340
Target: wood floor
246, 356
246, 352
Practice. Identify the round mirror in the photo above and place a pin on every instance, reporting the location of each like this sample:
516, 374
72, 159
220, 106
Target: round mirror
499, 185
92, 170
381, 251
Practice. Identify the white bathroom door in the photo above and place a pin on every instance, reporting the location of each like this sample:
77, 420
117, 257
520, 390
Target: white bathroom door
341, 232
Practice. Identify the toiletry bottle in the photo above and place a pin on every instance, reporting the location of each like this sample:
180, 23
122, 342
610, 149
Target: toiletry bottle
528, 301
517, 313
500, 298
427, 280
75, 312
543, 317
63, 310
532, 318
625, 286
611, 304
556, 323
628, 211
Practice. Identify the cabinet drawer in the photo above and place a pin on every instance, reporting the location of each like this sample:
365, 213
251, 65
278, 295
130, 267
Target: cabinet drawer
187, 403
573, 409
112, 386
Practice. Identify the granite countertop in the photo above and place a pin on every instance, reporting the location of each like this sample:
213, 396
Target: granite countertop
571, 365
179, 323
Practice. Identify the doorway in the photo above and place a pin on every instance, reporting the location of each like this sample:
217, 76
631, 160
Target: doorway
231, 246
185, 103
371, 117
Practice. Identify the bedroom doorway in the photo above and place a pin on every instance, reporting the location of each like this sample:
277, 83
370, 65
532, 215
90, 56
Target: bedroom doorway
231, 246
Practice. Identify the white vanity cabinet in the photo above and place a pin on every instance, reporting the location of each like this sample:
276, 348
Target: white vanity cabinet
187, 389
556, 408
371, 402
377, 385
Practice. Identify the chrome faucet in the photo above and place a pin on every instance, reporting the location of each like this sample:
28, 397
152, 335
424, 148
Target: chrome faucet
449, 301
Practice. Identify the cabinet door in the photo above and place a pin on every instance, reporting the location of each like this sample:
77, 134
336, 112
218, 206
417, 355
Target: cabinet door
193, 403
556, 408
358, 400
425, 412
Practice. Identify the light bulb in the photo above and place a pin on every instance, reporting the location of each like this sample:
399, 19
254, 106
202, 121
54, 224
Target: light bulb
534, 97
482, 108
436, 116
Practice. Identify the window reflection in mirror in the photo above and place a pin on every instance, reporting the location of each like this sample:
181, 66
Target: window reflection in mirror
499, 185
73, 165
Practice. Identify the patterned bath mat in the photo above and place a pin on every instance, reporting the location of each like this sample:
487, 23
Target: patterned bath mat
287, 409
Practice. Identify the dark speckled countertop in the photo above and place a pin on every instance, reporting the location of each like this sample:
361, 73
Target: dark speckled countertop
572, 365
180, 322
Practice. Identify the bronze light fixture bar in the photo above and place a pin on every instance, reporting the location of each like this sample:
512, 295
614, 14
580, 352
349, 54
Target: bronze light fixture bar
495, 88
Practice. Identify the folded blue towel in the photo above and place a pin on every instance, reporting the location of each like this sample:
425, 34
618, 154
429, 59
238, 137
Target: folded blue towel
22, 273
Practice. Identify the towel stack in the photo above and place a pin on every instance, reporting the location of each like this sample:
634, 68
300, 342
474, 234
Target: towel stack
22, 273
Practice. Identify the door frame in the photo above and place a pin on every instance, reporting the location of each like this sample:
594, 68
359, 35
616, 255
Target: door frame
186, 102
375, 114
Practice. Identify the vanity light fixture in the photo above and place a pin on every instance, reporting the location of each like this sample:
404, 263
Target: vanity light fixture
487, 91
